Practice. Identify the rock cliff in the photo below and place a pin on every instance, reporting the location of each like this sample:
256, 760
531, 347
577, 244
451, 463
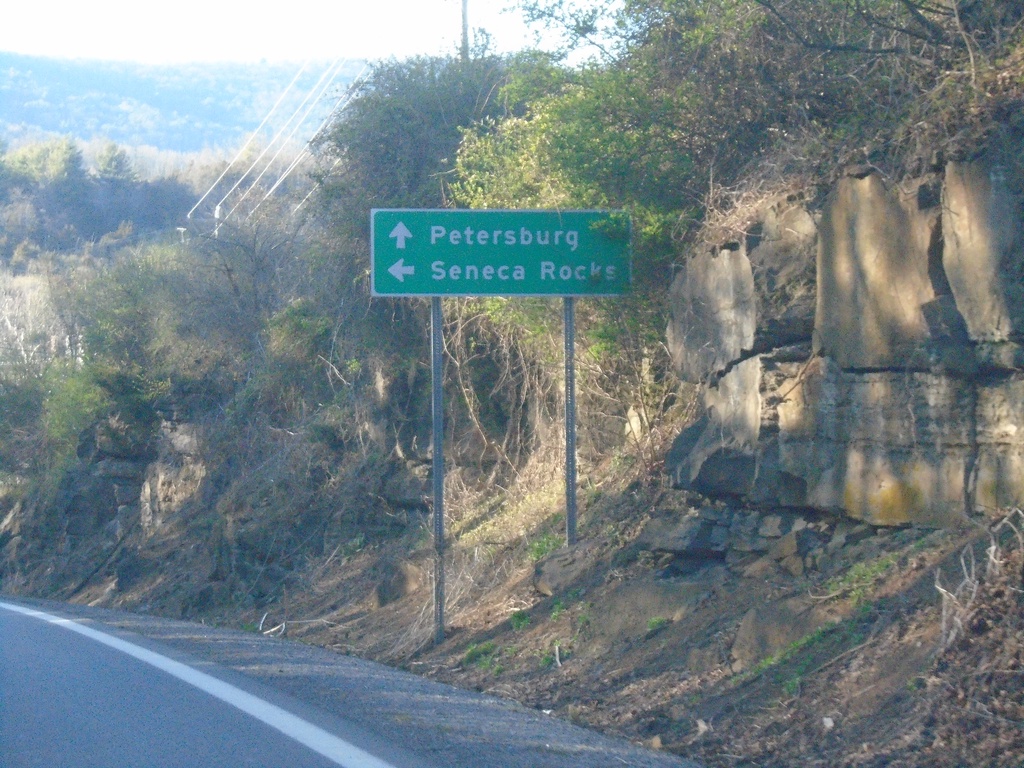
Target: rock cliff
863, 355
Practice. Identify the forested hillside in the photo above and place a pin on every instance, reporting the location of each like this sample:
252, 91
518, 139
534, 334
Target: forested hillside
182, 108
219, 423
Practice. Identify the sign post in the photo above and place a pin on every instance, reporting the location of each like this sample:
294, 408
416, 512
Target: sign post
570, 420
456, 252
437, 408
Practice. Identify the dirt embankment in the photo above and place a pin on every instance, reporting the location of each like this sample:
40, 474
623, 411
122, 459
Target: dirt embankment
844, 651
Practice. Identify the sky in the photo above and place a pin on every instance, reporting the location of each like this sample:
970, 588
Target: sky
182, 31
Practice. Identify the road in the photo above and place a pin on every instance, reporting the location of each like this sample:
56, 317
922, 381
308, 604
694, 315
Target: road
87, 687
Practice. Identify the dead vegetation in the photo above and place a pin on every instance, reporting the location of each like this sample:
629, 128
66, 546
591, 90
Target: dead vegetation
918, 664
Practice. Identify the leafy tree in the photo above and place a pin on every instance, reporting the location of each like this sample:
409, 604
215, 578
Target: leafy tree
395, 146
58, 161
55, 172
6, 175
73, 402
396, 142
705, 87
509, 164
114, 165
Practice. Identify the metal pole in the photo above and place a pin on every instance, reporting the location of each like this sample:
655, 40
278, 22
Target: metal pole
437, 403
570, 421
465, 30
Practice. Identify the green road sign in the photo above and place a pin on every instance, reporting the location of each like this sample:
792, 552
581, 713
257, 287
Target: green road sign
454, 252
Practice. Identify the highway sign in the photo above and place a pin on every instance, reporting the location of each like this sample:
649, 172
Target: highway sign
458, 252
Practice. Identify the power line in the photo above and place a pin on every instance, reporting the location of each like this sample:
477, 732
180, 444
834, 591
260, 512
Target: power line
331, 70
285, 143
339, 106
249, 140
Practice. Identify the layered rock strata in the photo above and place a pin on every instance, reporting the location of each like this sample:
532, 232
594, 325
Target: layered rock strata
864, 358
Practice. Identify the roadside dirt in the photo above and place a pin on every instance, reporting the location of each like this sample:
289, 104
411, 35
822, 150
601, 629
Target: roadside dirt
848, 654
638, 645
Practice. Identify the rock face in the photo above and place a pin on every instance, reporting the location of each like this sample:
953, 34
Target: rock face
173, 479
864, 358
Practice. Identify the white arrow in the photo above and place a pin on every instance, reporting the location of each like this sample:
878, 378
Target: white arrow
401, 233
399, 270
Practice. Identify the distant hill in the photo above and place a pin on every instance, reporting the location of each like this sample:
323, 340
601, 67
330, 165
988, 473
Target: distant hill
178, 108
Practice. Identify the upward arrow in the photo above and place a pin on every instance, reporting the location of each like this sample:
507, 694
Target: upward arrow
401, 233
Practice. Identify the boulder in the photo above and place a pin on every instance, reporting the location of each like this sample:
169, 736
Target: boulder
717, 456
998, 468
691, 537
887, 448
765, 631
873, 276
904, 407
169, 483
713, 311
557, 571
782, 261
983, 249
796, 543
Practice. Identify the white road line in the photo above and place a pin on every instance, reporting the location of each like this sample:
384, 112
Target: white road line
320, 741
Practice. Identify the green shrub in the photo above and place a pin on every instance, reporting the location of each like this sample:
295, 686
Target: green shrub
657, 622
544, 545
479, 652
73, 401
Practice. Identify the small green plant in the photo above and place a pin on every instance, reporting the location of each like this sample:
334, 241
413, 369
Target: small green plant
487, 656
557, 609
859, 581
790, 650
544, 545
520, 620
792, 686
354, 546
657, 622
555, 656
583, 619
477, 653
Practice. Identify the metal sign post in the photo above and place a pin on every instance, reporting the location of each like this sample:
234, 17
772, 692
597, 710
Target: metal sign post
437, 406
454, 252
570, 420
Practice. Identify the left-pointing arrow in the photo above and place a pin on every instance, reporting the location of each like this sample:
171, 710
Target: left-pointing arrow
399, 270
401, 233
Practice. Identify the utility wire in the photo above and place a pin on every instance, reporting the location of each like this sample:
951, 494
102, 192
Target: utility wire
249, 141
286, 142
339, 106
332, 69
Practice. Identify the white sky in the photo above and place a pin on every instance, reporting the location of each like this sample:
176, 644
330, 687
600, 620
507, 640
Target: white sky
230, 30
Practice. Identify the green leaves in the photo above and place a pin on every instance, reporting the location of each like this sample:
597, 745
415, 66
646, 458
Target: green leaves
59, 160
73, 401
398, 137
114, 165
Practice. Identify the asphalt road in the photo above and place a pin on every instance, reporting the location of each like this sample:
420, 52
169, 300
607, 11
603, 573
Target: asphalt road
87, 687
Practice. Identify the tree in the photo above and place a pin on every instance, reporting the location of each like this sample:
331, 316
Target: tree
396, 142
693, 92
58, 161
114, 165
55, 173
